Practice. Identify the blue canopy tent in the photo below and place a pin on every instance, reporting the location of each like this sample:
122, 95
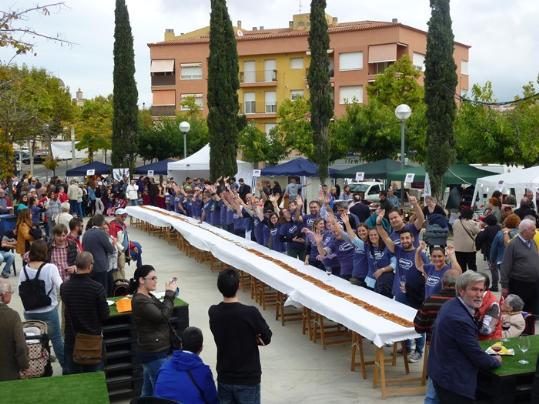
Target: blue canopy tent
159, 168
300, 167
98, 167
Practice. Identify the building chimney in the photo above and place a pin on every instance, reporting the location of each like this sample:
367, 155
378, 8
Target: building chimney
291, 24
169, 34
239, 24
395, 21
261, 27
255, 28
79, 94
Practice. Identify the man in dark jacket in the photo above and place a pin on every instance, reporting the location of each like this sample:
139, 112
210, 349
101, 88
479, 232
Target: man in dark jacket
244, 189
238, 331
96, 241
184, 377
86, 310
13, 350
455, 355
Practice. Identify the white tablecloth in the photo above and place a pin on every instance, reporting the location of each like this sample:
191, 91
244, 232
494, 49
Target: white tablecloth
301, 292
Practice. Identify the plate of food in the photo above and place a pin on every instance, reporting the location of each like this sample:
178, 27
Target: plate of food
499, 349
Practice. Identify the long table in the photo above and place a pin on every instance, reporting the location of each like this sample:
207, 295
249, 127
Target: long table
300, 292
232, 250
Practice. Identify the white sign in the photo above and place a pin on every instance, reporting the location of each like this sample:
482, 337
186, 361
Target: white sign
150, 173
499, 187
360, 176
427, 188
409, 178
90, 172
120, 173
256, 173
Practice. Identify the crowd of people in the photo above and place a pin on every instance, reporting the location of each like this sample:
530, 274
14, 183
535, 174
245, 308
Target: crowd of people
401, 254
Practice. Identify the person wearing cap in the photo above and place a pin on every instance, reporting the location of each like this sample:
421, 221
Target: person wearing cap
6, 204
118, 230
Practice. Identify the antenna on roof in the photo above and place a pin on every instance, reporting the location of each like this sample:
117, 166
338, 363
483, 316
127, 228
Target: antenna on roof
299, 1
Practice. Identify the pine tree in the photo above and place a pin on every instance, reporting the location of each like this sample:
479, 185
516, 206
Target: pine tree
319, 85
223, 85
440, 85
125, 94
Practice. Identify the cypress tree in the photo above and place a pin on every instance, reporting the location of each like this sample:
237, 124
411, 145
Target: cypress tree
223, 85
125, 94
319, 85
440, 85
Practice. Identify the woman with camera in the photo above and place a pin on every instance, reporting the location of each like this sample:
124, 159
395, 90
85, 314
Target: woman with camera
151, 318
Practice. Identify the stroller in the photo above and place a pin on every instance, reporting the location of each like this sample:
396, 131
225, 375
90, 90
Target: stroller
39, 350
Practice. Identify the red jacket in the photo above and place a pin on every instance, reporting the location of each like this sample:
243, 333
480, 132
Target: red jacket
488, 300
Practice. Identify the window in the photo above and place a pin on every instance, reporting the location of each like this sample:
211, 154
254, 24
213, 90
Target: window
191, 71
464, 67
164, 97
419, 61
268, 127
270, 70
296, 63
295, 94
249, 101
249, 72
375, 189
199, 101
271, 101
351, 61
162, 66
350, 94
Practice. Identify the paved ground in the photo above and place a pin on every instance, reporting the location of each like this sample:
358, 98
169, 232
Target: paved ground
294, 369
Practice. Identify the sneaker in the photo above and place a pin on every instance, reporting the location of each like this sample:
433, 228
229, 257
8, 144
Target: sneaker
4, 275
414, 357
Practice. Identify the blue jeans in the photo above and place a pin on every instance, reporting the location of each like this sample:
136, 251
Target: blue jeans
133, 202
150, 368
53, 330
419, 344
8, 257
238, 394
71, 367
430, 396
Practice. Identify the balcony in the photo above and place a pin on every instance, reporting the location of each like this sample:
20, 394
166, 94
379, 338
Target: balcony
250, 110
163, 110
163, 79
258, 78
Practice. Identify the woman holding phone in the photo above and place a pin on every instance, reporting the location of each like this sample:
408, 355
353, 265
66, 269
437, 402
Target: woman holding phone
151, 318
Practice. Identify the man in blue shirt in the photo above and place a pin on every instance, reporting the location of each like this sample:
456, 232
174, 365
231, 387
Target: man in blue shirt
455, 354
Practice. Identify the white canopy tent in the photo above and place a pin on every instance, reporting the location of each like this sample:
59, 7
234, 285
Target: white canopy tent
62, 151
515, 182
198, 165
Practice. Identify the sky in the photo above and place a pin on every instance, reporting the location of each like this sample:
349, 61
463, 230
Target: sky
503, 34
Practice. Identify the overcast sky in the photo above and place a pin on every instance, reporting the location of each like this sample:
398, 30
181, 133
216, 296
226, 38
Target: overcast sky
503, 34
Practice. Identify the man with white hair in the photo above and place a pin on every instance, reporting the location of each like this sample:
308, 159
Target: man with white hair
64, 217
520, 267
13, 351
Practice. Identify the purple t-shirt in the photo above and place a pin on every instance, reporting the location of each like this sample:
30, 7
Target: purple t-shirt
433, 281
406, 271
395, 235
344, 251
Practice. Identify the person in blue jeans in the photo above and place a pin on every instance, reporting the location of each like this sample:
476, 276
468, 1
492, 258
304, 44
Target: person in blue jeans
238, 331
8, 258
150, 318
184, 377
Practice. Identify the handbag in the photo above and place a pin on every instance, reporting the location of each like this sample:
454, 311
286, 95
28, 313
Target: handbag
175, 339
88, 349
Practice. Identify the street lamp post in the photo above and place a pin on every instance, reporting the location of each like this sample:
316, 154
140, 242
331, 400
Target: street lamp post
403, 112
73, 146
184, 128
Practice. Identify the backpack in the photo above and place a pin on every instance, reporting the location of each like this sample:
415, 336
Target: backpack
33, 293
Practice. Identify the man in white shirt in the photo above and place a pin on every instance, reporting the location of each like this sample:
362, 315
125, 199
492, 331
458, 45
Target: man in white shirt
132, 193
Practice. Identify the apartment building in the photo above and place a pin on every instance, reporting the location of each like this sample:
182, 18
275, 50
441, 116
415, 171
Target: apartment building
273, 64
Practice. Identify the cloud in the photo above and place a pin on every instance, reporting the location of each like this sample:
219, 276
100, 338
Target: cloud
503, 35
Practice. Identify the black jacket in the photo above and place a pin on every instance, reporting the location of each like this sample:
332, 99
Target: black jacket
151, 322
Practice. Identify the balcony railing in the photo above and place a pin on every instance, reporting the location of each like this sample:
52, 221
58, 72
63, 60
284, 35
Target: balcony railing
258, 76
250, 108
160, 79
